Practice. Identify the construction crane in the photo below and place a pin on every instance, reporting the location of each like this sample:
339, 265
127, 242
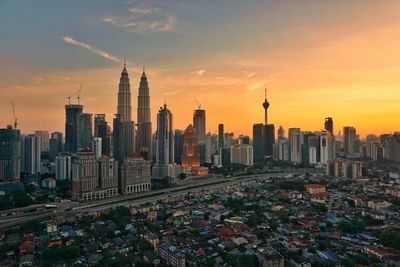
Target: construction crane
77, 94
198, 103
15, 119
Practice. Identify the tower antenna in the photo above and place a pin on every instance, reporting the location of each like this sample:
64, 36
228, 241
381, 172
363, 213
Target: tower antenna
198, 103
79, 94
15, 119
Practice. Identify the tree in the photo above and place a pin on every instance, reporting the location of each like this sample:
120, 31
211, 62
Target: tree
391, 238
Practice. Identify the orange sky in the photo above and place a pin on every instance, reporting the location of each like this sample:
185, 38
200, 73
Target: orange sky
347, 68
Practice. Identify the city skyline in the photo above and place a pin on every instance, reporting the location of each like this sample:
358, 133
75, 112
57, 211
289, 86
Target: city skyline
332, 59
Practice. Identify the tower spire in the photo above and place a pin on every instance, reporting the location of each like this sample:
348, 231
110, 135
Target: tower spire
124, 62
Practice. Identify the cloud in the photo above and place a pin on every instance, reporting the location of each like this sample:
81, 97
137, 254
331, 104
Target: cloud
199, 72
103, 54
143, 19
256, 86
248, 74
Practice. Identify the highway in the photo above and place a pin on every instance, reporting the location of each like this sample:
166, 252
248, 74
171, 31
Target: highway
15, 217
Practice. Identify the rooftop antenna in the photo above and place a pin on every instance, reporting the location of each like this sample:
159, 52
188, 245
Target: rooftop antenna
198, 103
79, 94
15, 119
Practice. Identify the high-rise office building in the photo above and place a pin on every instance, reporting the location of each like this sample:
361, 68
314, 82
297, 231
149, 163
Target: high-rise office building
281, 134
258, 141
164, 143
178, 146
123, 126
107, 177
56, 144
85, 130
328, 125
349, 140
71, 127
135, 175
44, 140
191, 155
220, 136
295, 144
30, 154
102, 130
9, 155
199, 123
143, 144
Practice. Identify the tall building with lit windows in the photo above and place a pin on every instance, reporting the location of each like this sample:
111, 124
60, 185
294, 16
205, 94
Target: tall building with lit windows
191, 155
144, 144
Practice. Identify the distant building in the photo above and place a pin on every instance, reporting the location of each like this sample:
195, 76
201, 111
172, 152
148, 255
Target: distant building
295, 144
84, 130
178, 146
344, 168
328, 125
71, 127
349, 140
135, 175
97, 147
63, 167
164, 144
244, 140
44, 140
9, 155
123, 126
144, 144
103, 131
92, 179
242, 154
220, 136
30, 154
315, 188
56, 143
191, 155
199, 123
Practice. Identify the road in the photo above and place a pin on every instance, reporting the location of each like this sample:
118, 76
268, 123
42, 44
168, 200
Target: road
14, 217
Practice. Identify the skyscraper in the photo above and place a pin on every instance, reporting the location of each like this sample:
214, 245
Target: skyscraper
281, 134
220, 136
44, 140
30, 153
97, 147
9, 155
328, 125
143, 144
349, 140
123, 126
102, 130
178, 146
56, 144
164, 143
63, 167
295, 144
263, 135
191, 155
71, 127
84, 130
199, 123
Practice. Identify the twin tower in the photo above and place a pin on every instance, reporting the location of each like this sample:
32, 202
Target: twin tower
125, 140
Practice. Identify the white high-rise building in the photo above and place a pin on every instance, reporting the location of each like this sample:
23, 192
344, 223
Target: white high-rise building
242, 154
324, 141
97, 147
63, 167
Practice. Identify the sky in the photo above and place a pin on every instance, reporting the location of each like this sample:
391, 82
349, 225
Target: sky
316, 58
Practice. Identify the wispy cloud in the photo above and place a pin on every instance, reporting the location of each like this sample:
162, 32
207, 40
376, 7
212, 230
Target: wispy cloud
103, 54
248, 74
256, 86
199, 72
143, 19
